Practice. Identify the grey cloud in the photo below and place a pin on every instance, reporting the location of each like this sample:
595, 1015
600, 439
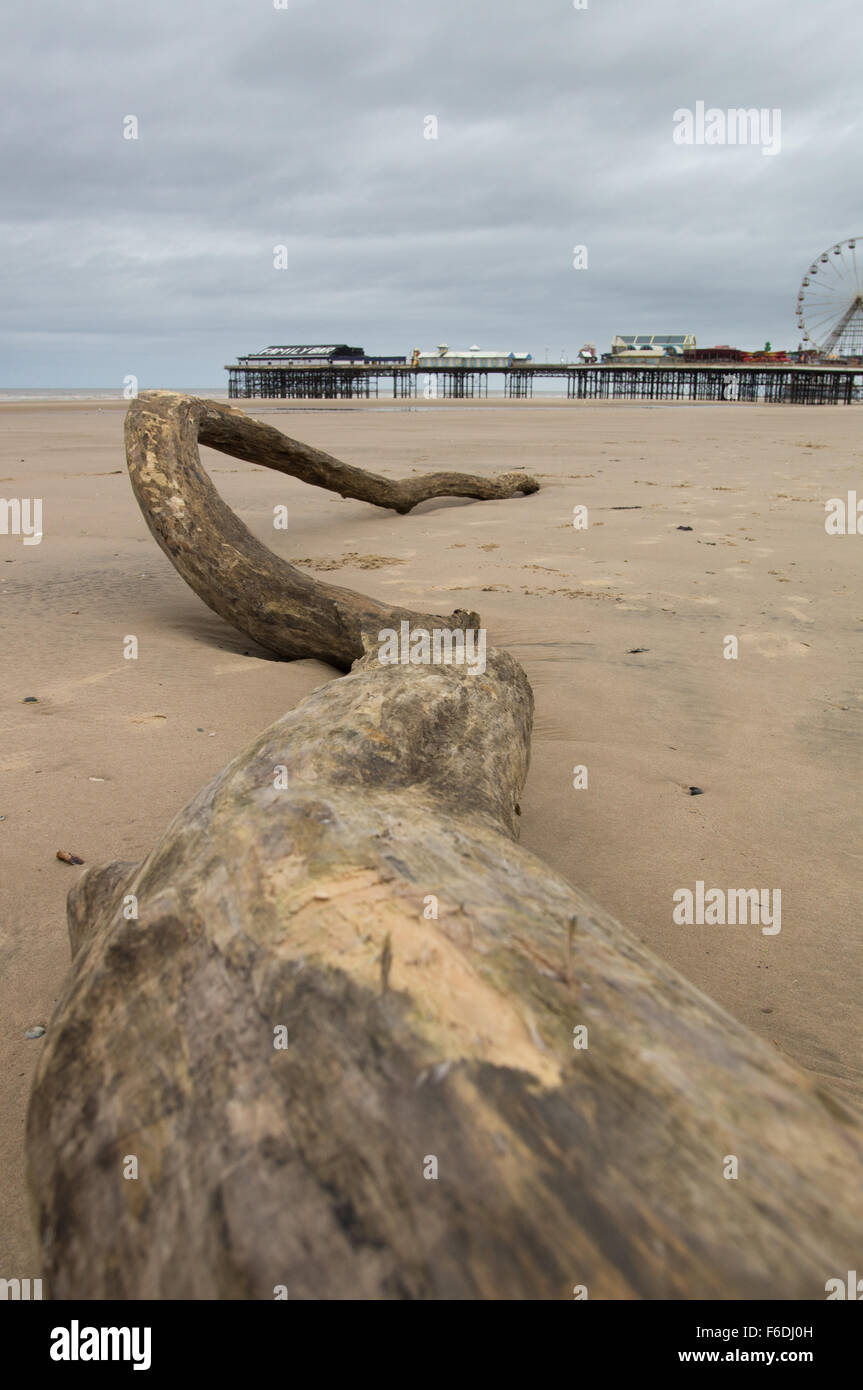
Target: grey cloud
305, 127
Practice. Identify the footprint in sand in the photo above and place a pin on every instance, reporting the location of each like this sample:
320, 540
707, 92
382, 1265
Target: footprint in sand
16, 764
773, 644
359, 562
796, 611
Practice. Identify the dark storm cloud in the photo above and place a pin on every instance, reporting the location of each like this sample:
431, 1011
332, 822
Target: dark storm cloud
305, 127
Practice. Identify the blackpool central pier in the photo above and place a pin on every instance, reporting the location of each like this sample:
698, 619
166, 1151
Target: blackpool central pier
775, 385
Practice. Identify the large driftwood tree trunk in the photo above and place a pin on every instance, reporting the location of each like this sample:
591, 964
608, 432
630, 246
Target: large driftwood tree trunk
429, 1131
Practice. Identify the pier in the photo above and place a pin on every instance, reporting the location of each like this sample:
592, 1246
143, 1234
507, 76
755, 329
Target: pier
775, 385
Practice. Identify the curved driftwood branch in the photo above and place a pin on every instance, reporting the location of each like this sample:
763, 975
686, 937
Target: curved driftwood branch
286, 611
350, 887
283, 609
233, 432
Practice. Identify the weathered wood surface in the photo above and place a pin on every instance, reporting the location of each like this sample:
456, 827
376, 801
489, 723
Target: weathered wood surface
410, 1037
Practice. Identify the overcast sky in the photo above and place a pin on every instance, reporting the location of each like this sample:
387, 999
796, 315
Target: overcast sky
305, 127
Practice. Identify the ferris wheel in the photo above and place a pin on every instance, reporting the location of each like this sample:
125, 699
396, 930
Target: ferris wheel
830, 302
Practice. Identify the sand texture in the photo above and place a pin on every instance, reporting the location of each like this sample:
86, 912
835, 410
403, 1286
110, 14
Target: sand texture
620, 628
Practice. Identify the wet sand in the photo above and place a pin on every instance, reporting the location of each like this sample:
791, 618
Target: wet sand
113, 748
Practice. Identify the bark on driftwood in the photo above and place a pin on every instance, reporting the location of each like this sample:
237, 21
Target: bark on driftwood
429, 1131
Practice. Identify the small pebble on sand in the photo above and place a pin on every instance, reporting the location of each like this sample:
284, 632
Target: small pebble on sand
68, 858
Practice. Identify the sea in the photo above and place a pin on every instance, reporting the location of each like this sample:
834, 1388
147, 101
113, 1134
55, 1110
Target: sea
96, 395
90, 393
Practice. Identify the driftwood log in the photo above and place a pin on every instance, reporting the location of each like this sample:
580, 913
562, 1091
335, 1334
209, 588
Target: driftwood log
239, 578
430, 1130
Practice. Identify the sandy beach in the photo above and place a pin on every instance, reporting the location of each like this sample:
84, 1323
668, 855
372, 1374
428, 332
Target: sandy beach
620, 627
